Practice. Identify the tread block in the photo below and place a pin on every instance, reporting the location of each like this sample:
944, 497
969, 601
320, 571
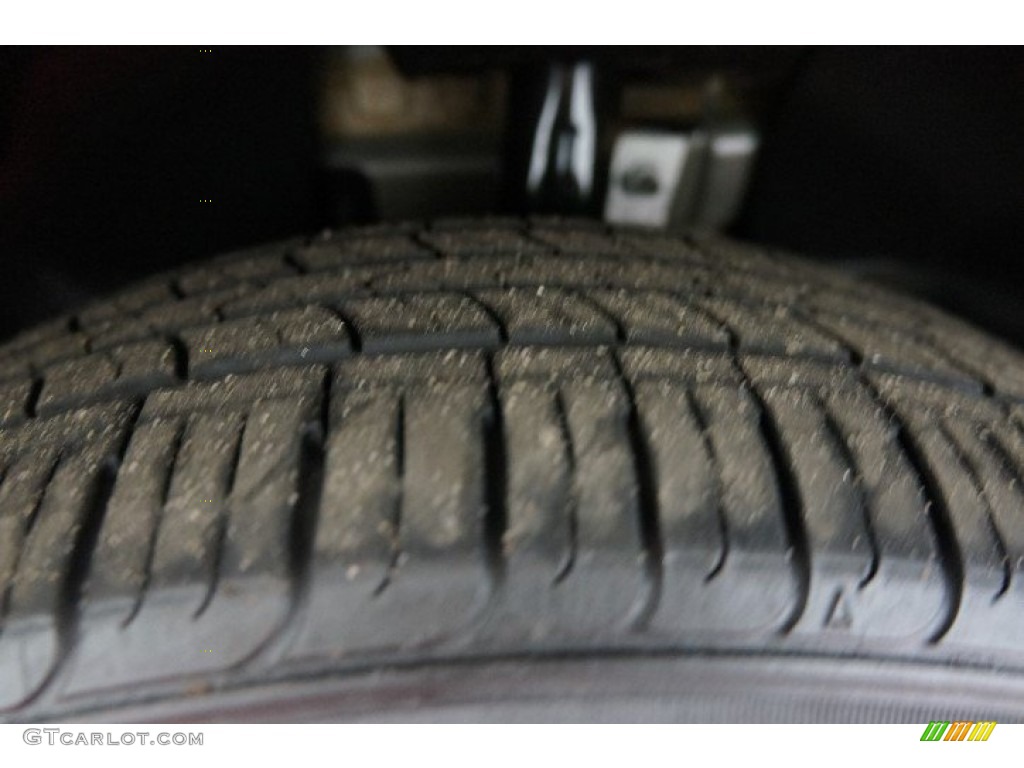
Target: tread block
579, 241
1007, 439
547, 316
224, 274
656, 276
298, 336
265, 489
323, 254
187, 544
197, 535
573, 544
48, 331
118, 332
233, 392
908, 595
15, 371
833, 510
538, 543
530, 271
169, 627
828, 301
751, 587
522, 415
14, 402
443, 492
937, 397
862, 506
30, 637
998, 363
121, 371
402, 564
459, 275
991, 546
68, 431
687, 484
818, 375
666, 248
760, 288
481, 242
972, 524
694, 366
21, 492
772, 330
360, 506
413, 323
59, 517
1000, 482
195, 310
120, 562
554, 364
654, 318
325, 289
607, 577
750, 494
890, 349
155, 292
453, 365
45, 352
744, 260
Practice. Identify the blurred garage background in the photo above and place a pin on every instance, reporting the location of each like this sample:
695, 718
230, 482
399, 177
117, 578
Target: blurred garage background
905, 165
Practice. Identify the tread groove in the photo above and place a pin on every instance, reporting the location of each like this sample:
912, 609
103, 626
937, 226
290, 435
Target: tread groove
649, 523
312, 458
180, 351
935, 503
786, 483
75, 577
634, 336
496, 485
938, 513
220, 534
620, 328
723, 520
28, 525
835, 434
856, 357
972, 472
32, 401
395, 558
290, 259
792, 508
85, 544
572, 513
493, 316
147, 570
355, 337
1011, 466
30, 521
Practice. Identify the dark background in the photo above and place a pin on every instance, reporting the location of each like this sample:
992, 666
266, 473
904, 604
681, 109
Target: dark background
904, 164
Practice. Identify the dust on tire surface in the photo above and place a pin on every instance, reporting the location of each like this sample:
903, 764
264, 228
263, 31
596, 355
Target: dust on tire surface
498, 438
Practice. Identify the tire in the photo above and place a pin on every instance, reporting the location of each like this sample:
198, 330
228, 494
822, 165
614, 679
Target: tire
508, 470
